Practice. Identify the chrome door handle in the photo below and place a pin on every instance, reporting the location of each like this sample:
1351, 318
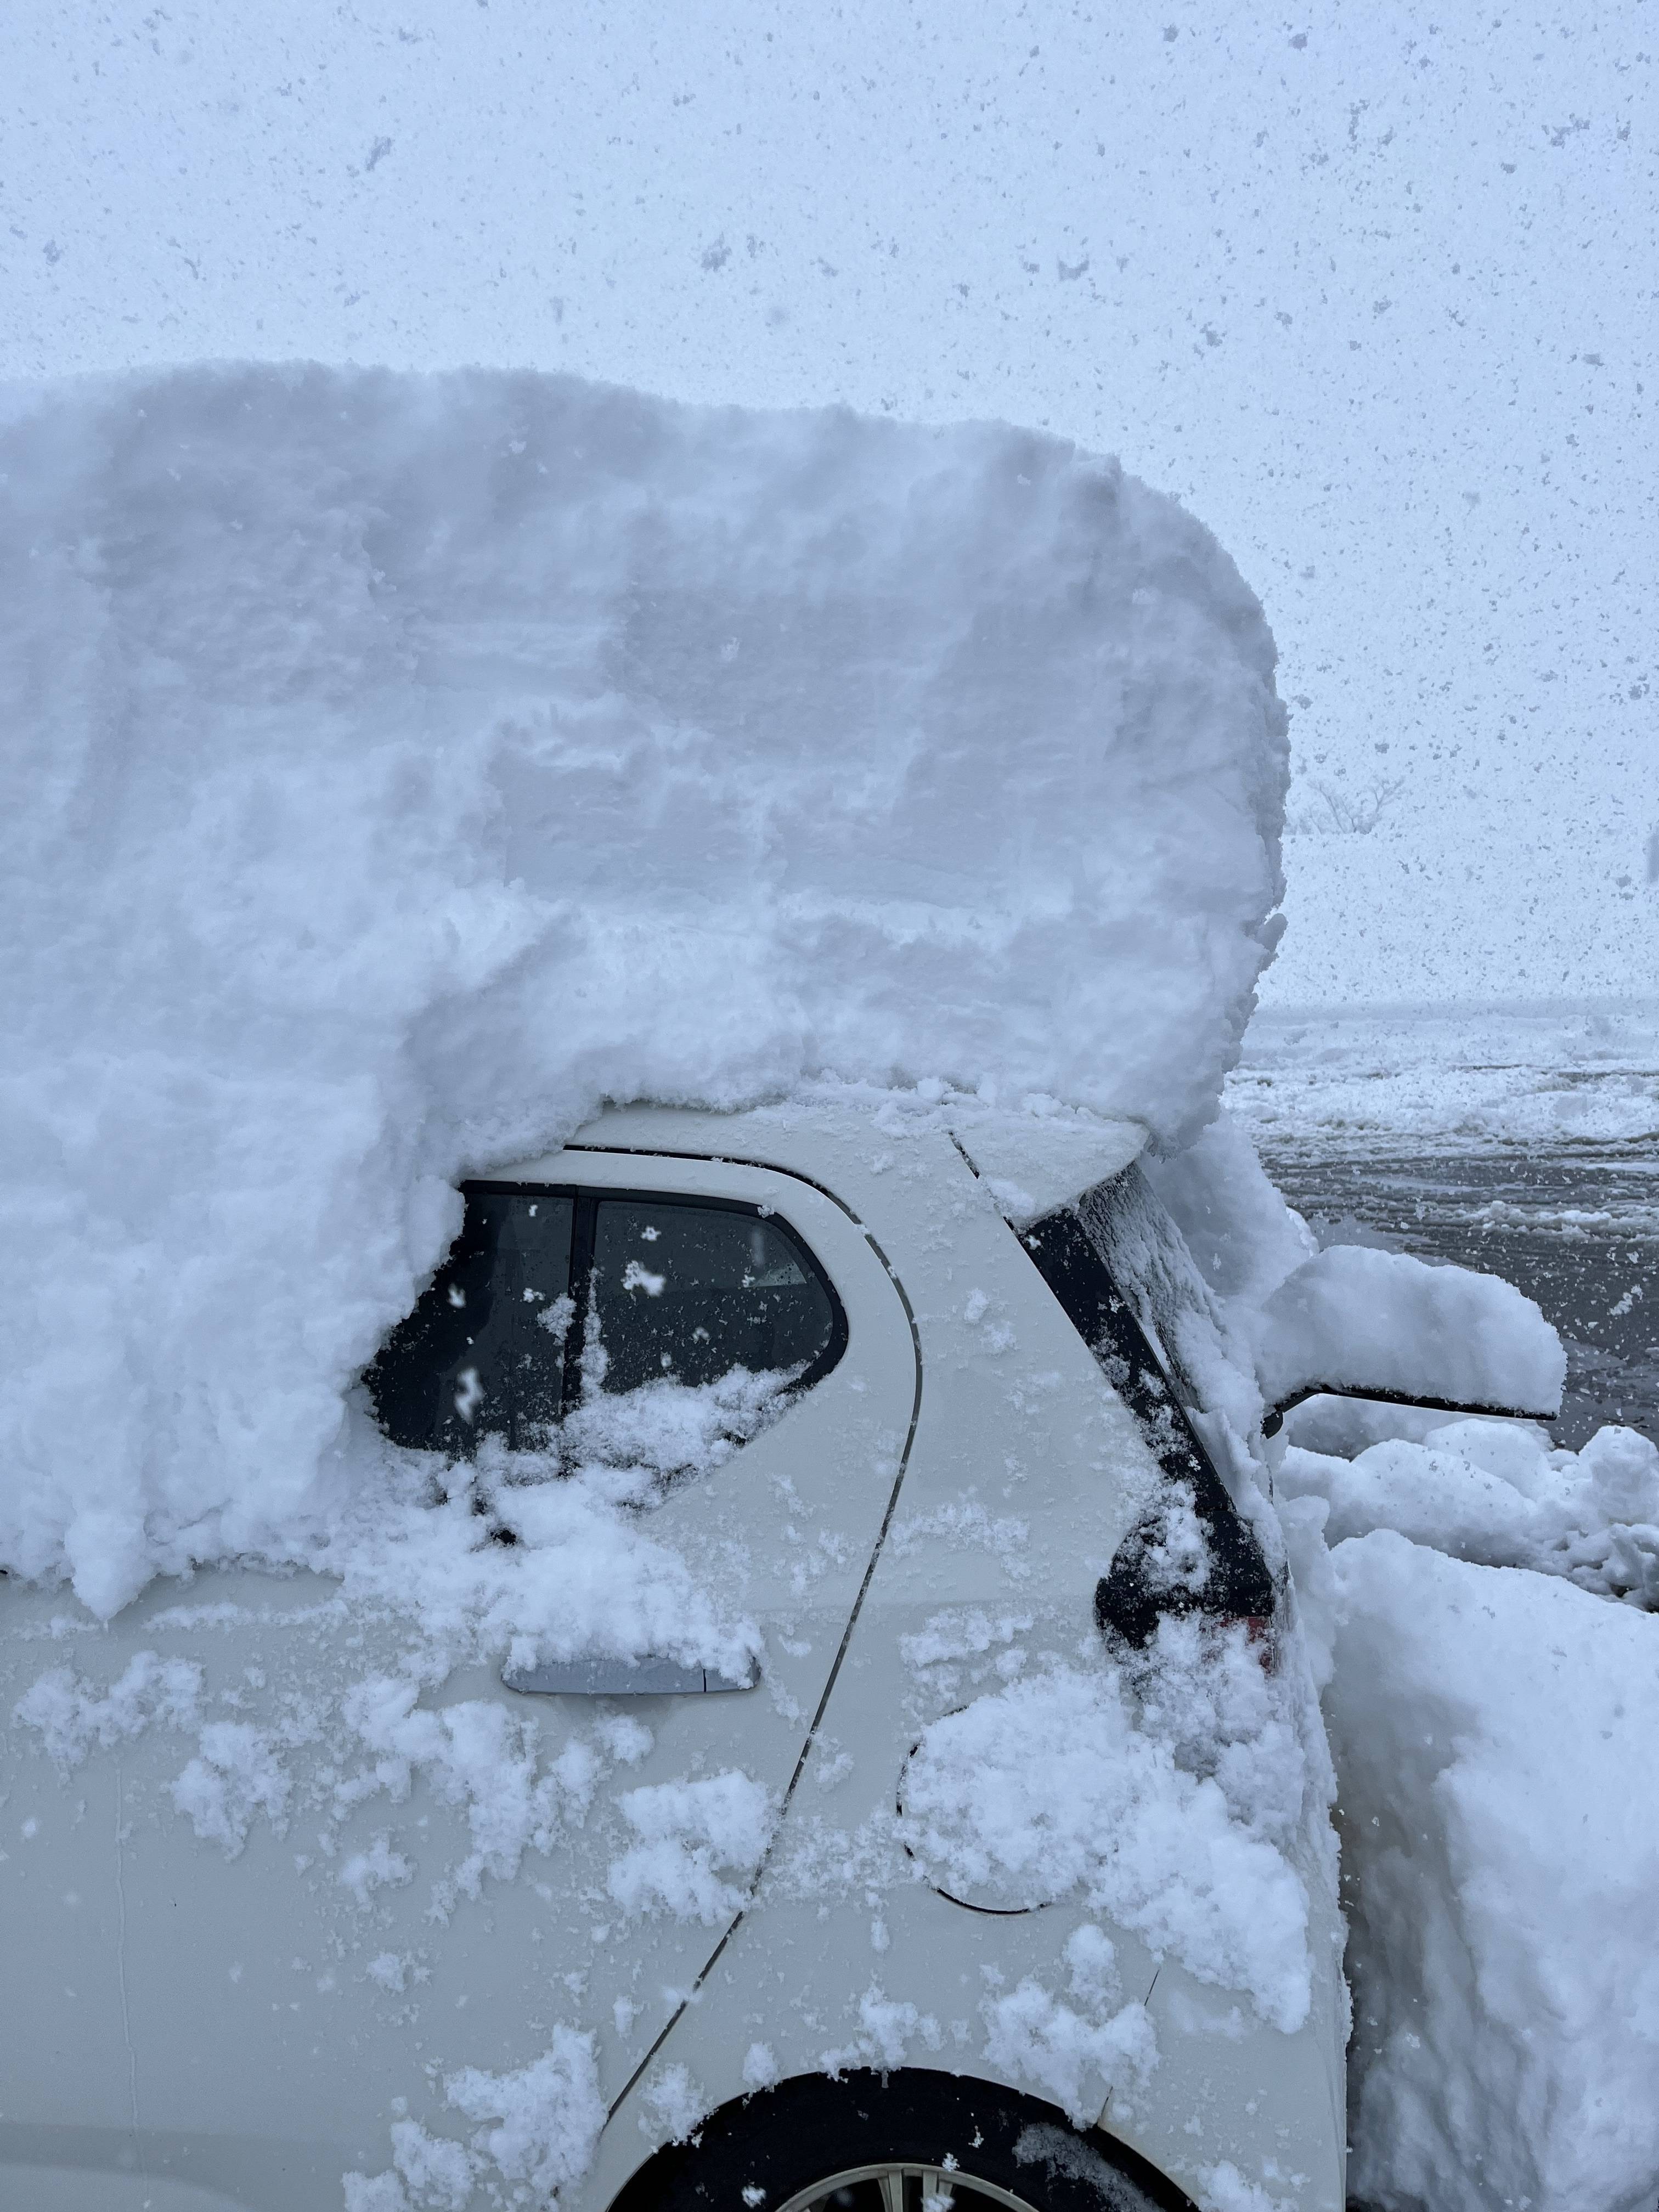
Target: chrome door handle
647, 1677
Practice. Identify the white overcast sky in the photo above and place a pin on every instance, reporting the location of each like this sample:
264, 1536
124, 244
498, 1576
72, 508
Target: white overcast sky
1373, 288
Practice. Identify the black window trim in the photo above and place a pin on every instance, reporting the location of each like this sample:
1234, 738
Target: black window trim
1240, 1586
585, 1199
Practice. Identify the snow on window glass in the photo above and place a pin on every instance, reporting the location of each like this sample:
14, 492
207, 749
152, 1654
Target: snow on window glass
651, 1335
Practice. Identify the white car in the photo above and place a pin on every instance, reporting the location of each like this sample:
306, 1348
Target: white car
266, 1940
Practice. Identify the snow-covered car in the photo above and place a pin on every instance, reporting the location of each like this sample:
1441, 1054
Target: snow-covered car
922, 1883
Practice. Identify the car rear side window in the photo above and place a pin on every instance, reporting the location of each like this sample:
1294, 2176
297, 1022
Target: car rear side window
691, 1292
550, 1297
484, 1352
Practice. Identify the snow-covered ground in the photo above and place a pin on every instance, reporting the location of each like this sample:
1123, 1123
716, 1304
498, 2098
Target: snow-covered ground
1339, 1082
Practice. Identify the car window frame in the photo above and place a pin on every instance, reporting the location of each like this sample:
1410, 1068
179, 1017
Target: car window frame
586, 1200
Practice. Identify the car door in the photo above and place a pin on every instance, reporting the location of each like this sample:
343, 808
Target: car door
275, 1872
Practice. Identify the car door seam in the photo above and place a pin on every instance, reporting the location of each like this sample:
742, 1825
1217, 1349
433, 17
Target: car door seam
714, 1958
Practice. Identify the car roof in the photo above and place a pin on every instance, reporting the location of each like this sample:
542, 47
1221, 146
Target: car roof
1033, 1159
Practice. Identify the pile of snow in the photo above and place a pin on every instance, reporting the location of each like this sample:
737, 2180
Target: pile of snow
1492, 1714
1497, 1738
1495, 1732
1495, 1492
398, 767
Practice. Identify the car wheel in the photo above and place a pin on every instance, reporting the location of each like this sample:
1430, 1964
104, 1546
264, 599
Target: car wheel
908, 2142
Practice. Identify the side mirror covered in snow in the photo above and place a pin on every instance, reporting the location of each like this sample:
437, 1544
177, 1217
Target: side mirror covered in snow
1352, 1322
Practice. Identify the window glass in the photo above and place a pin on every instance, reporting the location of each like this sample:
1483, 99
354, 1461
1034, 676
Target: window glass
482, 1353
688, 1292
561, 1319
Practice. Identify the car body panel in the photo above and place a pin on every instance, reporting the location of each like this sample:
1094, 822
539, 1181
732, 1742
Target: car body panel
1018, 1427
250, 2024
232, 1994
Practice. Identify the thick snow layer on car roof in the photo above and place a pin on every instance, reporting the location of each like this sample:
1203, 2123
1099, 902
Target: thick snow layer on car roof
399, 767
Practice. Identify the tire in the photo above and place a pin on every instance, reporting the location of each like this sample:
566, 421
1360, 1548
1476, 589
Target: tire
910, 2142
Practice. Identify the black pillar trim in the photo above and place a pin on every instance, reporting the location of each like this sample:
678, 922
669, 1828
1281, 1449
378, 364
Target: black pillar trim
1127, 1604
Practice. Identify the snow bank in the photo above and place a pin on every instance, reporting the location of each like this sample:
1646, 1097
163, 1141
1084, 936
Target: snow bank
1495, 1493
1497, 1738
1493, 1726
397, 767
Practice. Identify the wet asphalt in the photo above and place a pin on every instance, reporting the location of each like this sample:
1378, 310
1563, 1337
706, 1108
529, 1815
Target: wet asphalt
1577, 1230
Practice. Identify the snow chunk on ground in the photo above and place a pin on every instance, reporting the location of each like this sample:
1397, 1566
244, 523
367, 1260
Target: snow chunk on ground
1497, 1738
400, 766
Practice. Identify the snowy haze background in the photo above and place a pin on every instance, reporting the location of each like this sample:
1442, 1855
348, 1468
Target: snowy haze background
1371, 289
